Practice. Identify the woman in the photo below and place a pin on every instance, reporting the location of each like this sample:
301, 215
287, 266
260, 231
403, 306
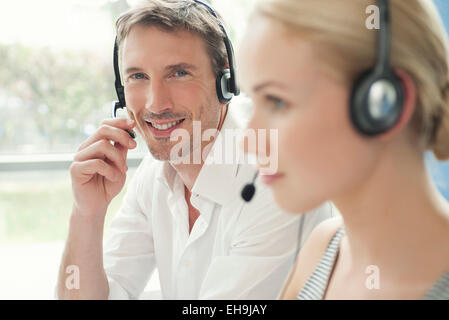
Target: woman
300, 61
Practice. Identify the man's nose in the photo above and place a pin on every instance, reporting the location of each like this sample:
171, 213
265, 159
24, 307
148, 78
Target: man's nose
158, 97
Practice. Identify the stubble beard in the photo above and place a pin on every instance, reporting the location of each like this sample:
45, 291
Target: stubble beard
161, 148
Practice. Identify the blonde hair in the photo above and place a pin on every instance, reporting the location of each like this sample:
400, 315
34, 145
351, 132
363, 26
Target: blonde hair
419, 46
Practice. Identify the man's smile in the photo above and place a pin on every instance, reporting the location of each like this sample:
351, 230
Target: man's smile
163, 128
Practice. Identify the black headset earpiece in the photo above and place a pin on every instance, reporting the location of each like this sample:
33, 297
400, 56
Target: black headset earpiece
377, 96
226, 81
222, 84
119, 89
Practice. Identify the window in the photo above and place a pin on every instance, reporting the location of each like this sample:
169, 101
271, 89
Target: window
56, 86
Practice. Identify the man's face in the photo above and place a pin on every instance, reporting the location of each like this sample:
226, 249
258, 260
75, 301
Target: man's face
169, 83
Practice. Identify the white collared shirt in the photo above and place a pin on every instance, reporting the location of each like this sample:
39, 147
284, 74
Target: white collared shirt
236, 250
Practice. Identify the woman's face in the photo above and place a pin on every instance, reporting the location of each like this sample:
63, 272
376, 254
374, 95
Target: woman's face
320, 155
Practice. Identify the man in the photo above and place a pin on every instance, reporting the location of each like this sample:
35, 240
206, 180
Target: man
186, 219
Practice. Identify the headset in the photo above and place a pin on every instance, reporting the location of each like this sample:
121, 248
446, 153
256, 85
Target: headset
226, 81
377, 96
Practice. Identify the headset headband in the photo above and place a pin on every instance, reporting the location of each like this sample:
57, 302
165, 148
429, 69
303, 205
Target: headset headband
229, 50
383, 39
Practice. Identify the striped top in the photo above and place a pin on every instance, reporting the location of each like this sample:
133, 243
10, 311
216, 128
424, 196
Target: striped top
315, 287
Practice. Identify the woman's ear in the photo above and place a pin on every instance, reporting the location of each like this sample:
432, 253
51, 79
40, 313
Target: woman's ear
409, 104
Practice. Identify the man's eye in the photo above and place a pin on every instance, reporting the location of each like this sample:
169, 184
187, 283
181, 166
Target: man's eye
276, 103
137, 76
181, 73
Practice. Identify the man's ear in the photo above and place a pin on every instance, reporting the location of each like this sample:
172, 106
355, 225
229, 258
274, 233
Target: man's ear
409, 104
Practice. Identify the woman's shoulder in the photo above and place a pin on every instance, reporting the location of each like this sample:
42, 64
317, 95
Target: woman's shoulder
309, 256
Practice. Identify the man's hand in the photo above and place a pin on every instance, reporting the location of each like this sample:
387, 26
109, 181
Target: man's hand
99, 168
98, 174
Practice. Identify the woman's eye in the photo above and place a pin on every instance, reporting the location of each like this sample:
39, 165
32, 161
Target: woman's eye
276, 103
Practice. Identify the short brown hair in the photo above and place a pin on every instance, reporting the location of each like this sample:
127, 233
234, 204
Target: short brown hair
174, 15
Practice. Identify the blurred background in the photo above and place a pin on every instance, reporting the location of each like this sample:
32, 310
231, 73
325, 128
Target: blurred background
56, 86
